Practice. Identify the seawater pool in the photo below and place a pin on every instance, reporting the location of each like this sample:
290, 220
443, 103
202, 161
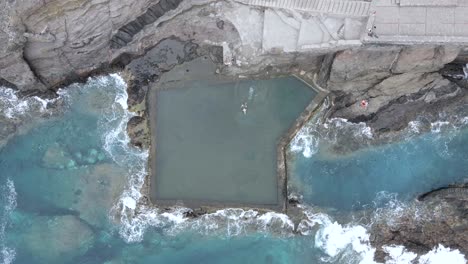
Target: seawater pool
69, 185
217, 143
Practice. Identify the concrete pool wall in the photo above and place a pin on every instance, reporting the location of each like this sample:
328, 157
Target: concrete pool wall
281, 170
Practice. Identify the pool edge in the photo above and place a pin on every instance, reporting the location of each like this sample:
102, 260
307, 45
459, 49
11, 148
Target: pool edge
281, 150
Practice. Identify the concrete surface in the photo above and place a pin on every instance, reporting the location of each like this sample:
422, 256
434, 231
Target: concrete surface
417, 21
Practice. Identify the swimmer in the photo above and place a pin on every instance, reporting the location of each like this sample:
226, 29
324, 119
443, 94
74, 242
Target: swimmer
244, 108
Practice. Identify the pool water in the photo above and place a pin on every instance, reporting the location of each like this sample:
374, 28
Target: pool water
209, 150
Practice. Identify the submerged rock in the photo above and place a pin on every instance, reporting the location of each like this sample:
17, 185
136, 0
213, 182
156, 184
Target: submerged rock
138, 131
59, 238
96, 191
56, 158
88, 191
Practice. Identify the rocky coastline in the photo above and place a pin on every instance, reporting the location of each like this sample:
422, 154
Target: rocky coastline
53, 49
47, 45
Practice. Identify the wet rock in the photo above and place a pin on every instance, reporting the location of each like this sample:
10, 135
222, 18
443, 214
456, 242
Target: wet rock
138, 131
439, 219
148, 68
294, 201
59, 238
449, 192
195, 213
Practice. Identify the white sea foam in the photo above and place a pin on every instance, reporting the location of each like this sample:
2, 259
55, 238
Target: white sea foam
316, 132
306, 140
347, 244
442, 255
8, 192
116, 143
415, 126
438, 126
13, 106
399, 255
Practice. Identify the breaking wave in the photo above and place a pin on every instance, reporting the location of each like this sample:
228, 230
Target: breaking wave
346, 137
14, 107
8, 193
329, 132
350, 243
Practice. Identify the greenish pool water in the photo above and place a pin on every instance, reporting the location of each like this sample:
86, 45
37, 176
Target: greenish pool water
209, 150
68, 188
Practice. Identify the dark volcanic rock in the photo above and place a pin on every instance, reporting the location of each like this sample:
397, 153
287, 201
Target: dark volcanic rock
440, 218
148, 68
125, 34
448, 192
398, 83
137, 130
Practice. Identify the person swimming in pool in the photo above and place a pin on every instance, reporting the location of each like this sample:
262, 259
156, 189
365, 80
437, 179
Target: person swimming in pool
244, 108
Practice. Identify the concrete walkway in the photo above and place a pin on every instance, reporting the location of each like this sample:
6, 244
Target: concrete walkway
325, 25
418, 21
332, 7
306, 25
291, 31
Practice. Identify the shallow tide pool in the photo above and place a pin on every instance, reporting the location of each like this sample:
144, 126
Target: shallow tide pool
69, 185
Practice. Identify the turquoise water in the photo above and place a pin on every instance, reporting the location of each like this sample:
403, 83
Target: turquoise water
69, 186
407, 168
209, 150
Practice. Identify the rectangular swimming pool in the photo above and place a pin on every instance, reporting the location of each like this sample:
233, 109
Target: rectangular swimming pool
216, 144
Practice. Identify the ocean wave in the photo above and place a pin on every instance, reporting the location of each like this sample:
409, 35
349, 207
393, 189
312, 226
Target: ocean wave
350, 243
438, 255
14, 107
341, 136
399, 255
229, 222
116, 143
7, 254
442, 255
338, 243
331, 132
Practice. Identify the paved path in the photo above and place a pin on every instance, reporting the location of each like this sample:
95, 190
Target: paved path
323, 25
292, 31
334, 7
418, 21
